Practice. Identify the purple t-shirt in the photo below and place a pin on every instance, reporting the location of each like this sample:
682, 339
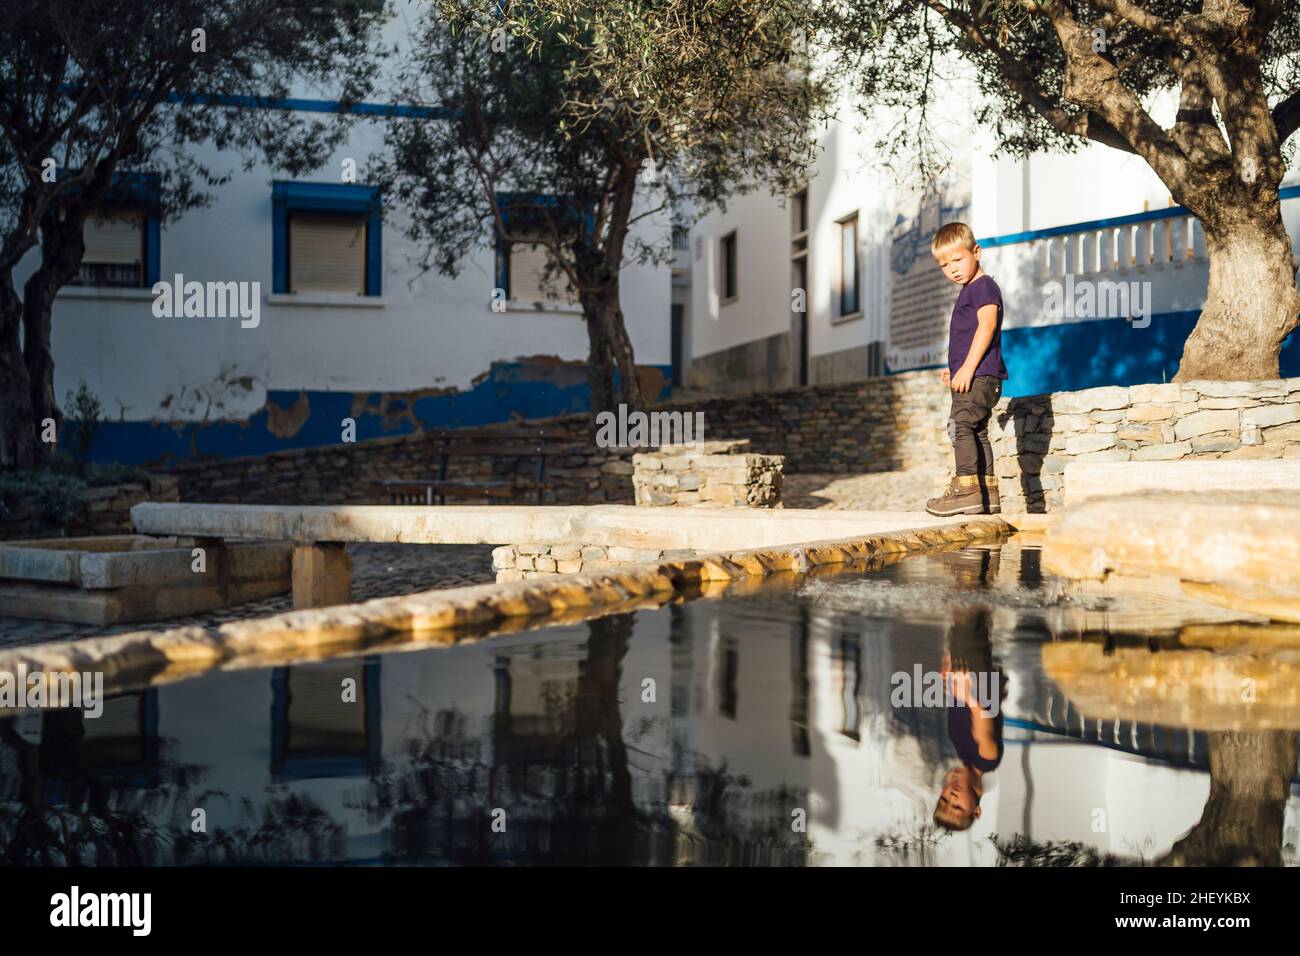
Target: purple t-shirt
965, 321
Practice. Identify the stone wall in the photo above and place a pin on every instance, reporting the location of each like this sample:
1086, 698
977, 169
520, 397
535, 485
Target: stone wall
349, 473
518, 562
1035, 437
708, 474
107, 511
882, 424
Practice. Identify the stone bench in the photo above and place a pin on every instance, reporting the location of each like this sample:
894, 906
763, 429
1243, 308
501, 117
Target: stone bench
322, 573
125, 578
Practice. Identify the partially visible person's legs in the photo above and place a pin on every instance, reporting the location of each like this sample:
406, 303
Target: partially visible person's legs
974, 489
970, 425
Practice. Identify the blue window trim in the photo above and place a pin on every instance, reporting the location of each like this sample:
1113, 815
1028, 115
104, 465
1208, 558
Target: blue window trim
288, 197
143, 192
525, 208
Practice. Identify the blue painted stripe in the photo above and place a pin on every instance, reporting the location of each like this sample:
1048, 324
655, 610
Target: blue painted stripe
1069, 356
300, 105
295, 104
512, 390
1173, 212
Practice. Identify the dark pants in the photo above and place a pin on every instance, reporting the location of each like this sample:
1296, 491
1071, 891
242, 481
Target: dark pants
968, 425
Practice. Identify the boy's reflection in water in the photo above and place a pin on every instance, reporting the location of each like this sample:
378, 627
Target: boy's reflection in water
974, 688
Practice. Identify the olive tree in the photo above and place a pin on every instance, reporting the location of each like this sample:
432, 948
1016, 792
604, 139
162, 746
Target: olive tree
91, 89
568, 123
1053, 74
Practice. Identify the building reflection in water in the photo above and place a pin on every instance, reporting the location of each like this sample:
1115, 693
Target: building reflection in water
746, 731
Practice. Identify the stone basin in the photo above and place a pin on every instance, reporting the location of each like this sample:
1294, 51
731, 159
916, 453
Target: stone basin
112, 579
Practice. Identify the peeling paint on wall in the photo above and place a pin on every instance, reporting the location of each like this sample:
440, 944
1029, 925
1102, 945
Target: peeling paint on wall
537, 386
395, 408
287, 422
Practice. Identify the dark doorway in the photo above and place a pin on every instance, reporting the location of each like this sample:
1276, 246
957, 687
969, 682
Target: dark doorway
679, 317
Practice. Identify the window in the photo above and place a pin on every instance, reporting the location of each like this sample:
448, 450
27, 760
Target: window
314, 731
119, 748
849, 664
121, 237
799, 212
327, 253
849, 298
728, 274
529, 275
681, 236
327, 238
525, 269
114, 250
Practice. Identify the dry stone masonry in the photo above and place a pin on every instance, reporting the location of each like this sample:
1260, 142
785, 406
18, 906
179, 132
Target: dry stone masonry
1035, 437
886, 424
713, 474
107, 510
519, 562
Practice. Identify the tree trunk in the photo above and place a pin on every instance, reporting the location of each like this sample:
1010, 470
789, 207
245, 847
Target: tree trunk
38, 356
610, 349
1251, 303
1250, 779
63, 246
600, 366
19, 445
621, 347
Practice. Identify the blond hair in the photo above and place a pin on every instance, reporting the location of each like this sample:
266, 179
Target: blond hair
951, 235
953, 819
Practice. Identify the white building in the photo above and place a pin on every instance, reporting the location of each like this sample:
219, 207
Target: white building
859, 245
831, 285
345, 326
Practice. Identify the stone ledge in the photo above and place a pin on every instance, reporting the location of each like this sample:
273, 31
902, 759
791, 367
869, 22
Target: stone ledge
1087, 480
1237, 549
131, 659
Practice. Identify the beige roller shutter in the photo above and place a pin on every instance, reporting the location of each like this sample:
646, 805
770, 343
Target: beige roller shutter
527, 270
116, 238
319, 718
327, 254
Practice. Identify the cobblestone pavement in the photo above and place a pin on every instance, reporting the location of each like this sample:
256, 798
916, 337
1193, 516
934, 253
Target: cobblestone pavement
382, 570
378, 570
877, 491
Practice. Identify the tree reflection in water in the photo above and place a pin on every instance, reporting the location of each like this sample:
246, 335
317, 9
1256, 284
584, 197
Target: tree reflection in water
567, 788
62, 811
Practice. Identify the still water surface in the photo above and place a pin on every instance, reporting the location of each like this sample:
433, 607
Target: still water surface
778, 729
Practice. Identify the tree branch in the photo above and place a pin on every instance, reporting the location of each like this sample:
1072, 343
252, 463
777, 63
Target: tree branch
1087, 125
1286, 116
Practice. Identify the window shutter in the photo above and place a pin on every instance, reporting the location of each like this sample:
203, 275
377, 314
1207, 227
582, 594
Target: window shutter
117, 239
528, 261
327, 254
317, 718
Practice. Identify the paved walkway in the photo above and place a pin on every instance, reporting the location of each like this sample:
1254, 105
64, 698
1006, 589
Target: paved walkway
878, 491
382, 570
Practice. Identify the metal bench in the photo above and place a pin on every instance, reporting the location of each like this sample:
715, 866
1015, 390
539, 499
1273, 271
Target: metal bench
536, 444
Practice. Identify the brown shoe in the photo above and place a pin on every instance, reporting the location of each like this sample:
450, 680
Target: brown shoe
963, 497
992, 500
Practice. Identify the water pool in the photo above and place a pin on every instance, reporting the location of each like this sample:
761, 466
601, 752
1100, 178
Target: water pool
778, 728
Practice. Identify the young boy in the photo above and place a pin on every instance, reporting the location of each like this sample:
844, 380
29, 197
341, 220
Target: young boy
973, 681
975, 374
